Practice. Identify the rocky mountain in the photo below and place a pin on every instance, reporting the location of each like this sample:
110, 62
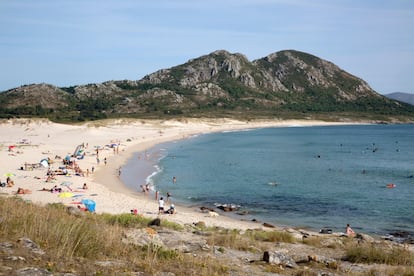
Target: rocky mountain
402, 97
283, 84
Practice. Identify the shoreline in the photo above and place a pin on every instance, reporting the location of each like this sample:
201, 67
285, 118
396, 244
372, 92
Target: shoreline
191, 211
105, 186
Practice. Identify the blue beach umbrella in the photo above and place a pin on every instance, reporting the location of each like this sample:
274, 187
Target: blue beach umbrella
89, 204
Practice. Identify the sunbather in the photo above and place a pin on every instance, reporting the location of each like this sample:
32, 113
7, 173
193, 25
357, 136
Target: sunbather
21, 191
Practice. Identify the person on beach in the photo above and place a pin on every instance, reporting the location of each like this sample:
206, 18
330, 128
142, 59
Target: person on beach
161, 206
171, 210
21, 191
85, 187
82, 208
168, 197
55, 189
349, 232
9, 182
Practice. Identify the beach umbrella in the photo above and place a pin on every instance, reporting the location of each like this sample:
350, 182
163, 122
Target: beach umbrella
9, 174
65, 195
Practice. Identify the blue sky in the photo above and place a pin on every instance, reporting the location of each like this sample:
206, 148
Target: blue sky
73, 42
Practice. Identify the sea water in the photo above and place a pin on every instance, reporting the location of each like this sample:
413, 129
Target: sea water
311, 177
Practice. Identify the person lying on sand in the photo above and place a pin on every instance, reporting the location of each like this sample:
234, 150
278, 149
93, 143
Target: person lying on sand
21, 191
82, 208
55, 189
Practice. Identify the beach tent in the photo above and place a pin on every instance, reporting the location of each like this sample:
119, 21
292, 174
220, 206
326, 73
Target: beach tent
44, 163
78, 151
89, 204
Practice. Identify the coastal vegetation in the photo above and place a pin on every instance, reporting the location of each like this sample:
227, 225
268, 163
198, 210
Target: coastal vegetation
51, 239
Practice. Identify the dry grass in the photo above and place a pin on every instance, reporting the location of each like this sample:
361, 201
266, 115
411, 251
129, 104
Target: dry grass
231, 239
313, 241
271, 236
252, 240
379, 254
76, 244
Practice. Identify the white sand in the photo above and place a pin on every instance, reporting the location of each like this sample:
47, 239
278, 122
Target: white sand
38, 139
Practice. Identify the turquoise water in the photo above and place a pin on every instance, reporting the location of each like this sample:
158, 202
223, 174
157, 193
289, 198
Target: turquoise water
309, 177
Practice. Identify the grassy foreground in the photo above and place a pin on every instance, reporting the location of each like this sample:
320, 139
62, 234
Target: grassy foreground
79, 245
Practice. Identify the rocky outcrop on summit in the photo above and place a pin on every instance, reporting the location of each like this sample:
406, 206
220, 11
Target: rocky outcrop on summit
279, 77
301, 73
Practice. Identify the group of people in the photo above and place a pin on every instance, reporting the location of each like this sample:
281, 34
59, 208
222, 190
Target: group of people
9, 183
146, 188
161, 209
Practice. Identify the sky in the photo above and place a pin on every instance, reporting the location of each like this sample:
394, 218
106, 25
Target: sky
75, 42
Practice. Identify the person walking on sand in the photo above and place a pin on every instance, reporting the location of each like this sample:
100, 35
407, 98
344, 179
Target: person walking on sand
161, 206
349, 232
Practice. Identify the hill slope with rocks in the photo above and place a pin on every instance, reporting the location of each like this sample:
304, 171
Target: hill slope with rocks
284, 84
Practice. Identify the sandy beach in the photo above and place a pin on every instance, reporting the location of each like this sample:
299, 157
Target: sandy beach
26, 143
